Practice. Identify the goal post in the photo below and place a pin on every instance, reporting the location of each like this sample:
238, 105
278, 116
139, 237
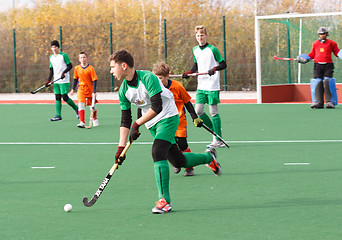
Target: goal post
289, 35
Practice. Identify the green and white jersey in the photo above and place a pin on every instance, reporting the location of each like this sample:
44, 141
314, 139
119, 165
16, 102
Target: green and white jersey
59, 64
148, 86
206, 59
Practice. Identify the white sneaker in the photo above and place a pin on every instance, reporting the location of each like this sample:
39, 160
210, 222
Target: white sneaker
81, 125
95, 122
216, 144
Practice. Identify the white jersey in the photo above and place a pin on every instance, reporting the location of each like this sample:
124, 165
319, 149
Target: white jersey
59, 63
148, 86
206, 59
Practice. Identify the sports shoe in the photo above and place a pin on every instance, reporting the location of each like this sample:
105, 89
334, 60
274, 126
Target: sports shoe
189, 172
56, 118
81, 125
176, 170
329, 105
214, 164
162, 207
317, 105
95, 122
216, 144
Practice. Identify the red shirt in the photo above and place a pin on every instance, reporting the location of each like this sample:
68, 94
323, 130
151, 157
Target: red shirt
321, 52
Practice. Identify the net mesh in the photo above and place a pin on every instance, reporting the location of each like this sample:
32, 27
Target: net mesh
281, 37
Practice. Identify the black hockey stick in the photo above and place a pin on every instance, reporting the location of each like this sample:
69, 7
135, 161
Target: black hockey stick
45, 86
105, 181
213, 133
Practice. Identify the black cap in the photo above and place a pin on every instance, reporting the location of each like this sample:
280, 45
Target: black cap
55, 43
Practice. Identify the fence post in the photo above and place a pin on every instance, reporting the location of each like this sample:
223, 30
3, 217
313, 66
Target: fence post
60, 38
288, 51
224, 51
15, 62
165, 41
111, 52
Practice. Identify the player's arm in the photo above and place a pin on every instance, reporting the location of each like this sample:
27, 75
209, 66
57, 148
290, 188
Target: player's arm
222, 65
190, 108
73, 88
69, 67
50, 77
126, 121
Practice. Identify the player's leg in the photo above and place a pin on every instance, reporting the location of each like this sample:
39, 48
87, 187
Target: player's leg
184, 147
214, 100
58, 103
95, 120
316, 87
81, 113
329, 84
201, 99
64, 92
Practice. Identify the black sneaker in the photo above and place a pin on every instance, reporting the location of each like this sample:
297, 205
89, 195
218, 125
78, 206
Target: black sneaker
317, 105
329, 105
56, 118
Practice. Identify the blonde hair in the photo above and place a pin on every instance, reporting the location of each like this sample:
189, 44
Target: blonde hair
201, 29
161, 69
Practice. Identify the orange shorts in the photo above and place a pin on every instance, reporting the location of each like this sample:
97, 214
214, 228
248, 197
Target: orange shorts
181, 130
85, 98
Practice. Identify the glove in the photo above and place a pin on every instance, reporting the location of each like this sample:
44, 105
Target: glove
198, 122
211, 71
185, 75
119, 160
63, 75
47, 83
134, 133
303, 58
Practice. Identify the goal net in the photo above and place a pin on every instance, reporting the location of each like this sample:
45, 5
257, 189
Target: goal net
289, 35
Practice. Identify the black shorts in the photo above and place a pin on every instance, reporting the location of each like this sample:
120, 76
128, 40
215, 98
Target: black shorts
323, 70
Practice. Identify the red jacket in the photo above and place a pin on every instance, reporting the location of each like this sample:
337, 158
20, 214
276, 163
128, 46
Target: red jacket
321, 52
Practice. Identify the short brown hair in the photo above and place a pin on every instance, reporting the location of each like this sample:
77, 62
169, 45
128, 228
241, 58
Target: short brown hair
83, 53
122, 56
201, 29
161, 69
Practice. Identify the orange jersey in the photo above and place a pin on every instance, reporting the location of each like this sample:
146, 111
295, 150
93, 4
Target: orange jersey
85, 77
181, 97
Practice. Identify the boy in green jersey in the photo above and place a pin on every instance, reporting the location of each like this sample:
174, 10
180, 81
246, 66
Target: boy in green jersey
160, 116
207, 58
60, 66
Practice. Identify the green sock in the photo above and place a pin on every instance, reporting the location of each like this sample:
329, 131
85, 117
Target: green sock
194, 159
217, 124
207, 121
58, 108
72, 104
162, 174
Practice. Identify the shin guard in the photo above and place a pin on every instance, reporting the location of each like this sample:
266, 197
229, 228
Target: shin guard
330, 90
316, 87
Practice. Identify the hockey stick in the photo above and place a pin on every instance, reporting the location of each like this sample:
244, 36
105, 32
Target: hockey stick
190, 75
282, 58
213, 133
92, 110
105, 181
44, 86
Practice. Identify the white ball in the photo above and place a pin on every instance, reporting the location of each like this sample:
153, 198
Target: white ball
68, 207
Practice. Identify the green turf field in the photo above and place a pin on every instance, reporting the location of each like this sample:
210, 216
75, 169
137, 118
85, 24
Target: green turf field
257, 196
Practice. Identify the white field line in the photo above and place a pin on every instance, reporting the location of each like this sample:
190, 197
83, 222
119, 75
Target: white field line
288, 164
147, 143
42, 167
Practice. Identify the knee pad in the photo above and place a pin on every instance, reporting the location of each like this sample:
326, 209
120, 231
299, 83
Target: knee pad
65, 97
199, 108
330, 90
316, 87
81, 106
213, 109
58, 97
176, 157
160, 150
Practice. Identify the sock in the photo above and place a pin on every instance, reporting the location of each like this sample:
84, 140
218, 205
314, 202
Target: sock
95, 114
81, 114
217, 124
207, 121
162, 174
194, 159
58, 108
71, 103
